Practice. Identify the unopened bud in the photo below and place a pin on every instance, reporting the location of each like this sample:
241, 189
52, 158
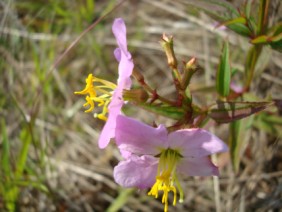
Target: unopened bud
167, 44
190, 68
191, 64
138, 95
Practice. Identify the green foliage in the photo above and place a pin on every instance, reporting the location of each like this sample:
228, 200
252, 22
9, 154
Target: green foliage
276, 41
223, 72
6, 172
235, 143
269, 123
122, 198
166, 111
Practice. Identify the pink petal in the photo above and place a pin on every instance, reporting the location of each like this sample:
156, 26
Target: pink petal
117, 54
119, 30
125, 154
124, 82
197, 167
196, 143
139, 138
125, 68
137, 172
116, 102
236, 87
122, 55
108, 131
114, 108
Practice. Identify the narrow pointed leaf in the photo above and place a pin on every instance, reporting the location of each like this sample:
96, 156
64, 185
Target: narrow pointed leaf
223, 73
276, 32
260, 39
252, 25
166, 111
277, 45
276, 38
248, 8
239, 25
267, 39
240, 29
263, 125
235, 141
225, 112
223, 4
5, 158
238, 20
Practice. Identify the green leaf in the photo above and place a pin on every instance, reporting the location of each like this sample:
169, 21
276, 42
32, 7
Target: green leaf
260, 39
262, 16
167, 111
225, 112
238, 20
223, 73
263, 125
277, 45
240, 28
235, 143
252, 25
239, 25
223, 4
5, 159
121, 200
273, 38
248, 8
267, 39
269, 123
228, 8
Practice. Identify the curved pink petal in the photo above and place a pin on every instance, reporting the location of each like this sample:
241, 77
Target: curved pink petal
195, 143
119, 31
197, 167
122, 55
117, 54
108, 131
125, 154
124, 82
137, 172
139, 138
125, 69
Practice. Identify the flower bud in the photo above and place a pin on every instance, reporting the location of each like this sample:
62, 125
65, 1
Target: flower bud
167, 44
190, 68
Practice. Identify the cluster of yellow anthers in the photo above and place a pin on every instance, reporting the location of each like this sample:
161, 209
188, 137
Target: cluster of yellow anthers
166, 178
99, 94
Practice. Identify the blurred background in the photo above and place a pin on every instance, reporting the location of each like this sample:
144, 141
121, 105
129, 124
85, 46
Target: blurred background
50, 160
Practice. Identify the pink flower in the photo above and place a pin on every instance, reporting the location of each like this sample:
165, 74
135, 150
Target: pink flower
124, 82
236, 87
157, 157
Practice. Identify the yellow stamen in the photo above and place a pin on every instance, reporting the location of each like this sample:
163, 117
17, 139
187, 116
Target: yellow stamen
166, 177
104, 88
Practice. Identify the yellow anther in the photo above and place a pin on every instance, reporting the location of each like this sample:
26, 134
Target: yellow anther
89, 102
167, 177
89, 88
104, 88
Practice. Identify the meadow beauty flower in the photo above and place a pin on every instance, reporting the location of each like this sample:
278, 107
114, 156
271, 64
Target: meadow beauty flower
111, 95
157, 158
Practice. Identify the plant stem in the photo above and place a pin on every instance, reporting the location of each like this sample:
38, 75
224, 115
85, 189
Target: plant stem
140, 79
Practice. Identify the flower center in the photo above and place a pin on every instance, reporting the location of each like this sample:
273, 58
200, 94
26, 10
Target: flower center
99, 94
166, 179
